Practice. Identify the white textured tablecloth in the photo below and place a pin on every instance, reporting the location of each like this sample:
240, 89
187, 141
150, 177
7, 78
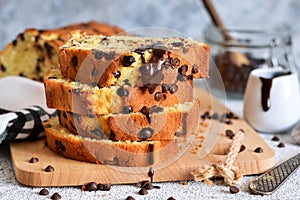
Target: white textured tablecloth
10, 189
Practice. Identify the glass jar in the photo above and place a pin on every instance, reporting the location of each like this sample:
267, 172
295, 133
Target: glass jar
258, 49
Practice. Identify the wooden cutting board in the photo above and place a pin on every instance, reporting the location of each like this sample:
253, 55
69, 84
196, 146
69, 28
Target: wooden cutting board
70, 172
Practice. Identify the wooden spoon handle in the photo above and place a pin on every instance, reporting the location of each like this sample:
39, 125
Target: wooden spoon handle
216, 19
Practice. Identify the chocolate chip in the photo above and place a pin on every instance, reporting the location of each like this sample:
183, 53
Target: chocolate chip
143, 191
151, 173
43, 192
49, 168
205, 115
117, 74
173, 88
145, 133
158, 96
59, 145
38, 69
110, 55
194, 69
242, 148
233, 190
130, 198
281, 144
171, 198
164, 88
181, 77
98, 54
183, 69
49, 50
275, 138
156, 187
55, 196
215, 116
50, 77
228, 122
177, 44
127, 109
148, 186
75, 61
229, 133
258, 150
167, 63
175, 62
21, 36
14, 43
92, 186
122, 92
104, 187
127, 61
3, 68
33, 160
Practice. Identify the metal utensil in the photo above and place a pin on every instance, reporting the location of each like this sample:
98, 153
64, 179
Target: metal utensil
271, 180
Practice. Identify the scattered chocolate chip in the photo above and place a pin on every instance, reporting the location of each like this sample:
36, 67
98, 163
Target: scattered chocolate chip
49, 168
92, 186
130, 198
275, 138
205, 115
143, 191
156, 187
3, 68
122, 92
55, 196
44, 192
233, 190
228, 122
34, 160
75, 61
258, 150
127, 109
145, 133
98, 54
127, 61
215, 116
104, 187
281, 144
242, 148
195, 69
164, 88
117, 74
229, 133
158, 96
148, 185
173, 88
171, 198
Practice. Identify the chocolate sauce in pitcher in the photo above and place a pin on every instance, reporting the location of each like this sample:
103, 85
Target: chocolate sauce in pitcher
266, 88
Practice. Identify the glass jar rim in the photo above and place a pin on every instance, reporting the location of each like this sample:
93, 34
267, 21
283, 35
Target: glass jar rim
281, 36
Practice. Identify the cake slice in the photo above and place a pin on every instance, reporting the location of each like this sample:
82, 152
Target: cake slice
153, 123
34, 51
138, 61
85, 99
125, 153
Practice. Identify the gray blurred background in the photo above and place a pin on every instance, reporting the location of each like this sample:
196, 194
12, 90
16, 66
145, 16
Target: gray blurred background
188, 17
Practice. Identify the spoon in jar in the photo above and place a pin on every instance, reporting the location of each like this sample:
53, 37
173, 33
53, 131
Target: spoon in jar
239, 59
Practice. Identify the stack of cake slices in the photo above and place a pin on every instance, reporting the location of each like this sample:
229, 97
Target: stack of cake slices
124, 100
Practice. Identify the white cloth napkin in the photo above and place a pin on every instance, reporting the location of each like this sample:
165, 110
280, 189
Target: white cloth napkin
22, 109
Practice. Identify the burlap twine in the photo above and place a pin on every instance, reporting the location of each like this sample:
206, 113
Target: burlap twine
232, 175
